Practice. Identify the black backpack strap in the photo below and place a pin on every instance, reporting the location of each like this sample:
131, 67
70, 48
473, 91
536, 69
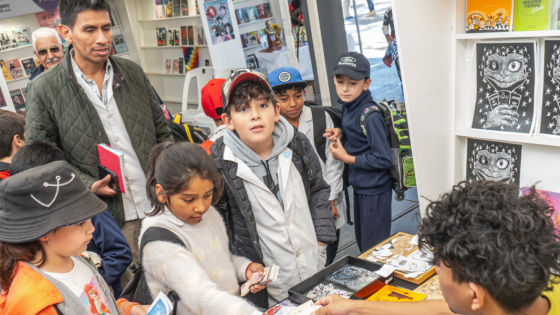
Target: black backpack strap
319, 127
57, 310
364, 116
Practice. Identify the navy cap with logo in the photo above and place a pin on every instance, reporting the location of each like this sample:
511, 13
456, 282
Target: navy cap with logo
285, 77
39, 200
353, 65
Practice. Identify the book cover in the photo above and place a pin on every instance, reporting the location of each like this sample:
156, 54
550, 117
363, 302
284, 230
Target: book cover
489, 16
120, 44
112, 160
245, 15
17, 99
267, 9
176, 37
46, 19
7, 40
15, 69
190, 32
253, 38
199, 35
252, 62
159, 36
171, 37
253, 14
176, 8
22, 36
245, 40
169, 8
168, 66
163, 36
184, 39
302, 34
184, 7
181, 66
24, 93
262, 11
239, 15
28, 65
5, 71
176, 66
532, 15
393, 294
159, 10
260, 36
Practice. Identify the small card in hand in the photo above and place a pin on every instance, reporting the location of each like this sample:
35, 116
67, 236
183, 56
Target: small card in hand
270, 274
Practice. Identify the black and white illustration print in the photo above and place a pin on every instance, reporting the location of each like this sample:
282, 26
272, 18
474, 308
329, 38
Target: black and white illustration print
550, 113
496, 161
505, 92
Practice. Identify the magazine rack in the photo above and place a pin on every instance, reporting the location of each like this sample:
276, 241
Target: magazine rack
433, 54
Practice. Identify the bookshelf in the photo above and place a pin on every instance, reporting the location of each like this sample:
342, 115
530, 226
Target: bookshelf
438, 86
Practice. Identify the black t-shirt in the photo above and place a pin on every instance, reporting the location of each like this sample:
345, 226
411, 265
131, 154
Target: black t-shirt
388, 20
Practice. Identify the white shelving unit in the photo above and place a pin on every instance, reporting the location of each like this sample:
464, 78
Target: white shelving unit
433, 56
152, 57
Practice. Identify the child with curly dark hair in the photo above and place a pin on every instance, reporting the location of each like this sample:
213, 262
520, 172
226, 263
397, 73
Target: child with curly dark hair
496, 252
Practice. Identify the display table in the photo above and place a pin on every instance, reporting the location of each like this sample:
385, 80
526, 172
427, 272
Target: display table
280, 58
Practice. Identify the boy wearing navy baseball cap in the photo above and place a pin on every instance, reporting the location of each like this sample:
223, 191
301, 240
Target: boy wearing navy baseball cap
289, 87
366, 150
277, 209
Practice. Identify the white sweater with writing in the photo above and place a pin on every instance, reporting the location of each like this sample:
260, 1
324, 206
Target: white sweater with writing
205, 275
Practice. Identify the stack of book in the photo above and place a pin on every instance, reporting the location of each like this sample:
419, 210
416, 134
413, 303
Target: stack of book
255, 13
171, 8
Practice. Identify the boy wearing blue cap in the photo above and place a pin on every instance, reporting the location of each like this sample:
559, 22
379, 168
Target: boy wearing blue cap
366, 150
288, 86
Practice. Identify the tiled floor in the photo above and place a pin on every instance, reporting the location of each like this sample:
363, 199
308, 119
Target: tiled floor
406, 217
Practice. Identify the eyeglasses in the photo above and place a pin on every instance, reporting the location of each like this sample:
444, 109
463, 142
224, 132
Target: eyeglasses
52, 50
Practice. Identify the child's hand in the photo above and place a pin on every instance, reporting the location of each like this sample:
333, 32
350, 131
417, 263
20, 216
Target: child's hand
255, 268
339, 153
139, 310
332, 134
334, 211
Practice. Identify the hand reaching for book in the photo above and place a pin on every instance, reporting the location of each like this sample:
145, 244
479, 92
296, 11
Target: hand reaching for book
502, 115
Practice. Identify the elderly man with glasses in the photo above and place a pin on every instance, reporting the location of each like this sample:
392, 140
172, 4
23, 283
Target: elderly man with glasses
47, 46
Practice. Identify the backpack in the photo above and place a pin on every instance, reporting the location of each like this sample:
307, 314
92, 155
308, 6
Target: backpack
137, 289
186, 132
319, 126
402, 171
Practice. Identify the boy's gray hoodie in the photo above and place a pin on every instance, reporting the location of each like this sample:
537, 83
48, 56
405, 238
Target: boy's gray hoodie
267, 169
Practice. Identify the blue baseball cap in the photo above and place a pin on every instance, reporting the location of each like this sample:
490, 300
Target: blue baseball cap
285, 77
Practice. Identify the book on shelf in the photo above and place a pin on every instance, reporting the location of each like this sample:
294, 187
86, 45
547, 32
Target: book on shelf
184, 39
262, 11
253, 38
489, 16
159, 10
245, 15
120, 44
253, 14
176, 37
176, 8
168, 66
181, 66
239, 16
28, 65
161, 33
24, 93
15, 69
22, 36
532, 15
19, 102
267, 9
5, 71
168, 8
176, 66
252, 62
46, 19
200, 35
8, 40
244, 41
184, 7
190, 33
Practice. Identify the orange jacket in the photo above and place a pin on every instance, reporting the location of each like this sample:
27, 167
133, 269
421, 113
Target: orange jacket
32, 294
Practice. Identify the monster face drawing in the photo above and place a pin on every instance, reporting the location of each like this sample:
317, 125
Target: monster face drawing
494, 166
493, 161
505, 72
550, 114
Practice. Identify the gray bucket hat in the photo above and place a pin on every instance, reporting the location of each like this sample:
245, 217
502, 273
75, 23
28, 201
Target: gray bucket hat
42, 199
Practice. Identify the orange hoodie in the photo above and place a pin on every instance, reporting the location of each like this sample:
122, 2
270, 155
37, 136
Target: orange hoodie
32, 294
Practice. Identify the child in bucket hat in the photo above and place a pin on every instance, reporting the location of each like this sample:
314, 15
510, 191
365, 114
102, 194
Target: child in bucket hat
45, 225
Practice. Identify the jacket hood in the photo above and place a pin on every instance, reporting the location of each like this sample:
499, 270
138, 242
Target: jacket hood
365, 97
281, 137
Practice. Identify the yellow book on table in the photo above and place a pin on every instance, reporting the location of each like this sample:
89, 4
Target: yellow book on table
393, 294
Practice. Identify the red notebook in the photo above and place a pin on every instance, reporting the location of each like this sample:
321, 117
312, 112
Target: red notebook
112, 159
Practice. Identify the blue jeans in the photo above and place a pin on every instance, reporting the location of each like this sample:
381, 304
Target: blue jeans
372, 219
370, 5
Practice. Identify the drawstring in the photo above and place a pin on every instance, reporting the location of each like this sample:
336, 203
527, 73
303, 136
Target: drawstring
269, 181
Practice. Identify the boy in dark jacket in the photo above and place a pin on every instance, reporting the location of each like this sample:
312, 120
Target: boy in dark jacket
108, 241
278, 209
12, 137
366, 150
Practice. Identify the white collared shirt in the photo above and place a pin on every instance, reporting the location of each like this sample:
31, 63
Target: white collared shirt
135, 201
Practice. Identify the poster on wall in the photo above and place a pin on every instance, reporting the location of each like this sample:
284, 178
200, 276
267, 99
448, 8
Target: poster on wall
505, 87
219, 21
491, 160
550, 113
46, 19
